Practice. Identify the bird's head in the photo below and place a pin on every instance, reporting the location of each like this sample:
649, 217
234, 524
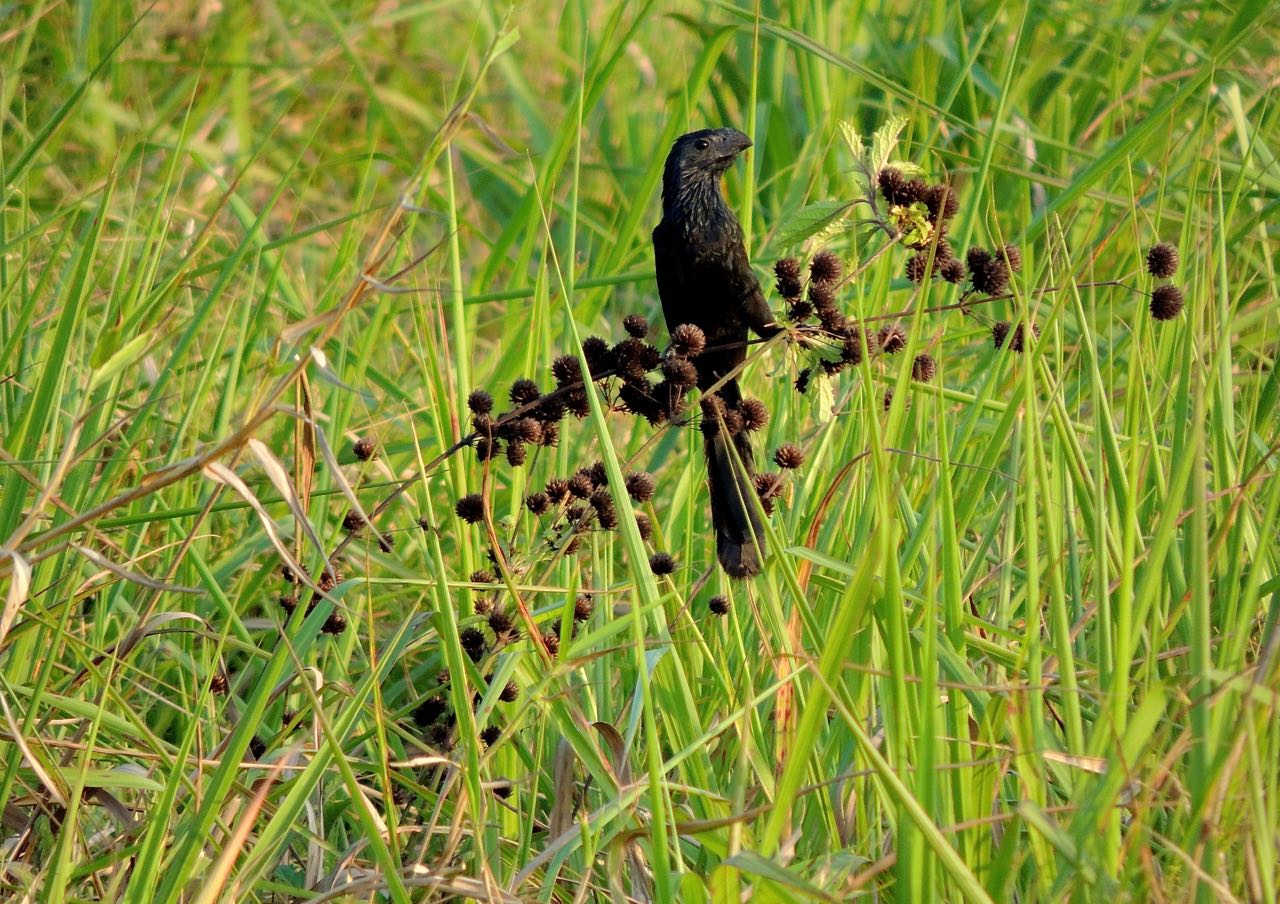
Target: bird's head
691, 178
706, 153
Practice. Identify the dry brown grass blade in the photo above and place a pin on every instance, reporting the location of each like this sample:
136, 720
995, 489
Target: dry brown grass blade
131, 576
304, 453
19, 588
216, 880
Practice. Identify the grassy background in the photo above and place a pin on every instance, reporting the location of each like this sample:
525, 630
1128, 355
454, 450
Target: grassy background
1018, 641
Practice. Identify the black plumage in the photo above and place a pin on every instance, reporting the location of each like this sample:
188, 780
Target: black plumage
705, 278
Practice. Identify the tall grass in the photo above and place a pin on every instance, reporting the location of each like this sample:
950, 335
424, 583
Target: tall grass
1017, 639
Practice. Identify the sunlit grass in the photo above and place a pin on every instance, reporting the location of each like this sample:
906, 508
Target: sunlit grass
1017, 639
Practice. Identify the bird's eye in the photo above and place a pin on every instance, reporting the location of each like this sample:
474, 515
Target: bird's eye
702, 144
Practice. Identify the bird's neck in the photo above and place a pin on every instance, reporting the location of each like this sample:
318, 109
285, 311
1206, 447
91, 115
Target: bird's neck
695, 203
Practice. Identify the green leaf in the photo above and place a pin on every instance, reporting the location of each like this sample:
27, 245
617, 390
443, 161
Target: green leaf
853, 140
813, 219
884, 141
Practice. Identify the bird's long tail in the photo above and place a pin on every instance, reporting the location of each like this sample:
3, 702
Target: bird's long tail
740, 543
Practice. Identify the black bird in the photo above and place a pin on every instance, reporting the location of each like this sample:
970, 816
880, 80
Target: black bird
705, 278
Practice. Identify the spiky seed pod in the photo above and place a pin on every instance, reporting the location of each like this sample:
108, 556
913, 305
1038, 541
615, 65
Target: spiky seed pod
490, 734
892, 339
510, 692
516, 453
825, 267
288, 603
688, 340
822, 296
648, 356
803, 380
627, 358
218, 683
732, 421
832, 320
550, 436
386, 542
484, 605
473, 643
550, 410
640, 486
718, 605
789, 456
1162, 261
941, 203
576, 403
425, 525
851, 349
1012, 257
430, 710
364, 449
329, 578
892, 185
635, 325
800, 311
599, 358
503, 626
601, 500
638, 398
888, 398
565, 370
987, 273
913, 191
787, 271
754, 414
287, 572
788, 267
551, 640
1017, 340
524, 391
952, 270
583, 606
335, 624
483, 576
487, 448
680, 373
480, 402
575, 513
580, 485
537, 503
598, 474
470, 508
917, 267
1166, 302
768, 485
999, 332
482, 424
527, 429
924, 368
557, 490
644, 526
353, 521
661, 563
257, 747
438, 737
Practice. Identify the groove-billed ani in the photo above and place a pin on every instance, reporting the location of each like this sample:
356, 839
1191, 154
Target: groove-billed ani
704, 278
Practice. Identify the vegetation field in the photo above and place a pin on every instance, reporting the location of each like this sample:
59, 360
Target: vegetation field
324, 577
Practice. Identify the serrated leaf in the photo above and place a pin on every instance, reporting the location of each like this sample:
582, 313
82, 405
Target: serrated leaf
811, 220
907, 168
885, 140
853, 140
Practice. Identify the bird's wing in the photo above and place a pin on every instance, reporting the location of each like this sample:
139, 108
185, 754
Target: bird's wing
742, 284
667, 262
